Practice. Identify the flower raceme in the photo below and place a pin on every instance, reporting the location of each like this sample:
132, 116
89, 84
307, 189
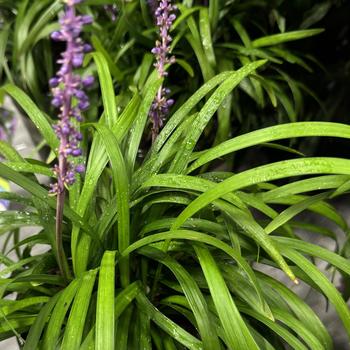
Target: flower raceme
164, 18
68, 94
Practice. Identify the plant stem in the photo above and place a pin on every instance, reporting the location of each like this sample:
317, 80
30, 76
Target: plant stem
61, 257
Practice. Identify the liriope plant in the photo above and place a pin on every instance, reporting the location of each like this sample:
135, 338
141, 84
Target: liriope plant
161, 254
208, 38
161, 249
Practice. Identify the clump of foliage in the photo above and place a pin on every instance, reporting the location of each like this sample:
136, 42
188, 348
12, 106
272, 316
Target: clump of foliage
159, 248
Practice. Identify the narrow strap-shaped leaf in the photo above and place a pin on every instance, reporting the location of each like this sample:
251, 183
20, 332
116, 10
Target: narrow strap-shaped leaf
197, 237
38, 191
25, 167
116, 72
284, 333
7, 151
170, 327
195, 41
324, 182
236, 331
145, 332
323, 283
121, 181
242, 217
124, 122
4, 35
107, 90
244, 36
185, 12
49, 13
151, 87
124, 327
105, 304
193, 295
182, 157
34, 113
298, 306
292, 211
185, 109
53, 329
273, 171
323, 208
34, 334
316, 251
191, 183
276, 39
265, 173
214, 8
75, 326
122, 301
15, 326
10, 306
24, 18
239, 286
273, 133
125, 297
154, 163
299, 328
98, 159
14, 266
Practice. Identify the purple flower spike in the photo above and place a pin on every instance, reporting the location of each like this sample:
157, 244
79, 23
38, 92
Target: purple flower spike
68, 95
164, 18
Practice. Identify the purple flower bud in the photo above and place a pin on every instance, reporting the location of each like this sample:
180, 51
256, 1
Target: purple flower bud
88, 81
78, 60
56, 102
65, 129
53, 82
156, 50
83, 105
81, 95
86, 19
69, 179
76, 152
53, 188
57, 36
80, 168
87, 48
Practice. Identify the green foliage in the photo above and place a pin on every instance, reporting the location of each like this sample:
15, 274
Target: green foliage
166, 250
165, 201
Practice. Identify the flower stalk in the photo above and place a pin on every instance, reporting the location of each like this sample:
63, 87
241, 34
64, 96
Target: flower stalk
69, 97
160, 106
